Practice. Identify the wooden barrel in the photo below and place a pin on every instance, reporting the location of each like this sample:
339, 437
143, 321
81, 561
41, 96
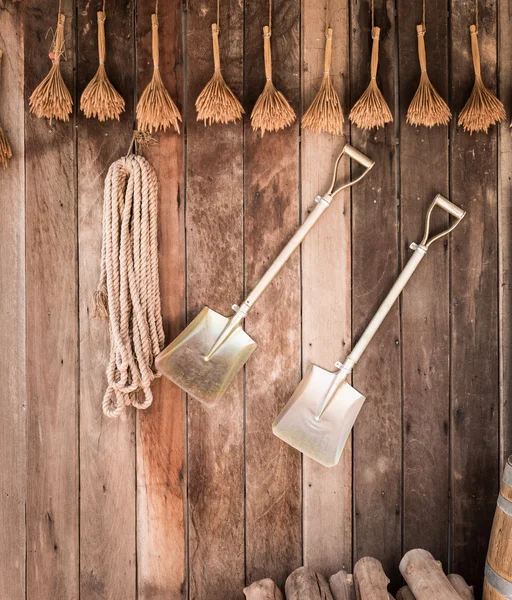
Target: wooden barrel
498, 568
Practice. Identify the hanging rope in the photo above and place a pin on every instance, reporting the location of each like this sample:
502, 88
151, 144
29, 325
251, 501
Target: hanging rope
482, 109
5, 147
272, 110
427, 107
325, 113
217, 103
128, 291
51, 98
371, 110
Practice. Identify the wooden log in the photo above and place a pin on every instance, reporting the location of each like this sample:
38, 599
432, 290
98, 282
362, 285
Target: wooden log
264, 589
342, 586
306, 584
425, 576
464, 590
498, 569
370, 580
404, 593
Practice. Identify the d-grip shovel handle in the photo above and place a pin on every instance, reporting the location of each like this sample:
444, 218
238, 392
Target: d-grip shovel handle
419, 252
322, 203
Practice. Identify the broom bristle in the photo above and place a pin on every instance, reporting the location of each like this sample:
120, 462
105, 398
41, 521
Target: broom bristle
325, 113
272, 111
5, 149
51, 98
371, 110
156, 109
217, 103
482, 109
100, 99
427, 107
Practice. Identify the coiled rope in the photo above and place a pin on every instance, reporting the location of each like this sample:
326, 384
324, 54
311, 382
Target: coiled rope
128, 292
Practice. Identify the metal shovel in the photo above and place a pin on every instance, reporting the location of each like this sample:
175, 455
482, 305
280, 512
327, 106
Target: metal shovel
206, 356
319, 416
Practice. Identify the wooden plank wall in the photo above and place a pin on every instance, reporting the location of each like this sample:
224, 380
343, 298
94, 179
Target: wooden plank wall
186, 502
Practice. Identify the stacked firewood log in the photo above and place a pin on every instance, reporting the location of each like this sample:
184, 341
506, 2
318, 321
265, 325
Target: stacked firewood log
423, 575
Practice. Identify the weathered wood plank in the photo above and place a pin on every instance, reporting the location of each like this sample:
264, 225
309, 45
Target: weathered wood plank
504, 232
52, 325
12, 311
107, 448
375, 262
326, 317
425, 301
214, 226
271, 185
161, 460
474, 283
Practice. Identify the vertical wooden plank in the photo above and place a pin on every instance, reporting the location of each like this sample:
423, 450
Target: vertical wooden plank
107, 448
505, 231
375, 263
52, 325
425, 300
12, 311
161, 459
214, 227
272, 213
326, 287
474, 281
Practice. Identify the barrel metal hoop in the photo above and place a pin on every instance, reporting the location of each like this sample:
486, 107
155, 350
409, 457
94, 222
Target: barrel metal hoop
505, 505
507, 474
502, 586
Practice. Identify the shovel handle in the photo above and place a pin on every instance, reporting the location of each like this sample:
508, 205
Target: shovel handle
452, 209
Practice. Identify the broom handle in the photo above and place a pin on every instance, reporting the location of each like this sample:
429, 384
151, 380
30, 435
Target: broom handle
422, 54
154, 41
475, 50
216, 50
101, 37
267, 52
328, 51
375, 52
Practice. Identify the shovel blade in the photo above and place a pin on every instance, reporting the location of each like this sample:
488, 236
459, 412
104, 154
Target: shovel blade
322, 440
182, 361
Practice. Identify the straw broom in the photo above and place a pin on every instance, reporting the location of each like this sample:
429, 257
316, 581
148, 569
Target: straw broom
482, 109
427, 107
5, 148
371, 110
51, 98
100, 99
271, 111
325, 113
217, 103
156, 110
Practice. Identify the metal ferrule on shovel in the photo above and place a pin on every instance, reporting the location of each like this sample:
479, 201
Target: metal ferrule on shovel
319, 416
206, 356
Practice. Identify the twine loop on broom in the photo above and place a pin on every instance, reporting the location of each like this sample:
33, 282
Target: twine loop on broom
128, 292
156, 110
482, 109
100, 99
51, 98
371, 110
217, 103
5, 147
427, 107
325, 113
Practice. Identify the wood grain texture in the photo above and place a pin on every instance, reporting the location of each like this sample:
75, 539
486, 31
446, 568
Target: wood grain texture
474, 284
272, 213
52, 326
107, 446
425, 305
161, 430
326, 318
505, 231
425, 577
215, 267
12, 312
375, 251
459, 584
342, 586
370, 580
305, 583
